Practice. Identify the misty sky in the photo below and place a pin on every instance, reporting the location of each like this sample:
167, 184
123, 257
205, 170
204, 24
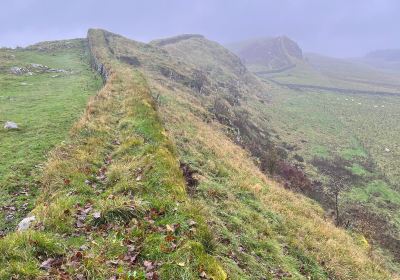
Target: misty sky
333, 27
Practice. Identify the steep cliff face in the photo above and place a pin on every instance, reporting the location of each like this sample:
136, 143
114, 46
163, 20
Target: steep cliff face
272, 53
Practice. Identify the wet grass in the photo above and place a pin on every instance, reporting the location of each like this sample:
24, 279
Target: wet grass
116, 188
44, 108
361, 130
116, 199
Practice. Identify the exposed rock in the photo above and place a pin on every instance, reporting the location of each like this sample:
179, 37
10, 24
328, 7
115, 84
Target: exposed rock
51, 70
10, 125
176, 39
35, 65
132, 60
280, 53
17, 70
95, 63
39, 68
25, 223
387, 150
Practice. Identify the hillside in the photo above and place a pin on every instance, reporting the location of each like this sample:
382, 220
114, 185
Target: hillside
355, 74
165, 177
269, 54
383, 59
337, 121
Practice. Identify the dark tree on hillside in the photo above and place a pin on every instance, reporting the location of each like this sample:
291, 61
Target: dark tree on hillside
336, 187
340, 180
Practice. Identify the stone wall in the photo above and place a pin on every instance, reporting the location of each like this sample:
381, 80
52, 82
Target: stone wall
95, 62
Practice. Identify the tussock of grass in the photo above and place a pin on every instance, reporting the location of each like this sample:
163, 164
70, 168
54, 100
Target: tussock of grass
21, 253
118, 210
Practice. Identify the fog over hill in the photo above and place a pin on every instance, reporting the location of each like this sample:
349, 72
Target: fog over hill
209, 140
336, 28
274, 54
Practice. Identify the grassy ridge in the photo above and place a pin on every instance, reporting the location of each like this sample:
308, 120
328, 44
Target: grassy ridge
120, 165
261, 229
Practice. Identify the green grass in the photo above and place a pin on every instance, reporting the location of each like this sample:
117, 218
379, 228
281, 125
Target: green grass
356, 151
375, 191
114, 197
361, 130
254, 235
320, 151
44, 108
259, 230
119, 164
358, 170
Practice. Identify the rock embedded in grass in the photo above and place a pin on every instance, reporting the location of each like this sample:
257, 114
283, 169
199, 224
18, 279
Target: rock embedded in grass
17, 70
10, 125
25, 223
36, 65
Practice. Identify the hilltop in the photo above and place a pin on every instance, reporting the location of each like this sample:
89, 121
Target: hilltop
173, 172
269, 54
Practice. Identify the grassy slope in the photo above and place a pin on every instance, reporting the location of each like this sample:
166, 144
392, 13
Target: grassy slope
338, 73
356, 128
355, 74
45, 108
113, 200
261, 229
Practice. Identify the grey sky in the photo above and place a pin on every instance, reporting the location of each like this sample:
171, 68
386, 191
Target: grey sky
333, 27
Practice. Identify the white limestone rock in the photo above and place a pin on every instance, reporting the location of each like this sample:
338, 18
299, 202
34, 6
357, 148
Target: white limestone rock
26, 223
10, 125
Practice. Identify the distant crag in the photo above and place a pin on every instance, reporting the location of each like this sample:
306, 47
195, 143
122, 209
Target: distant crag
269, 54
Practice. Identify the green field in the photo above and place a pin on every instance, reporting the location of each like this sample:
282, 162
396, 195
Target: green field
355, 133
44, 104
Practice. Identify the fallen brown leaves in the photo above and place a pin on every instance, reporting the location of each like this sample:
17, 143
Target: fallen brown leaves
150, 267
81, 214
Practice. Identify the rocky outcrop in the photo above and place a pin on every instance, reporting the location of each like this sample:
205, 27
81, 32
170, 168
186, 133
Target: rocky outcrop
176, 39
18, 70
36, 68
272, 53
